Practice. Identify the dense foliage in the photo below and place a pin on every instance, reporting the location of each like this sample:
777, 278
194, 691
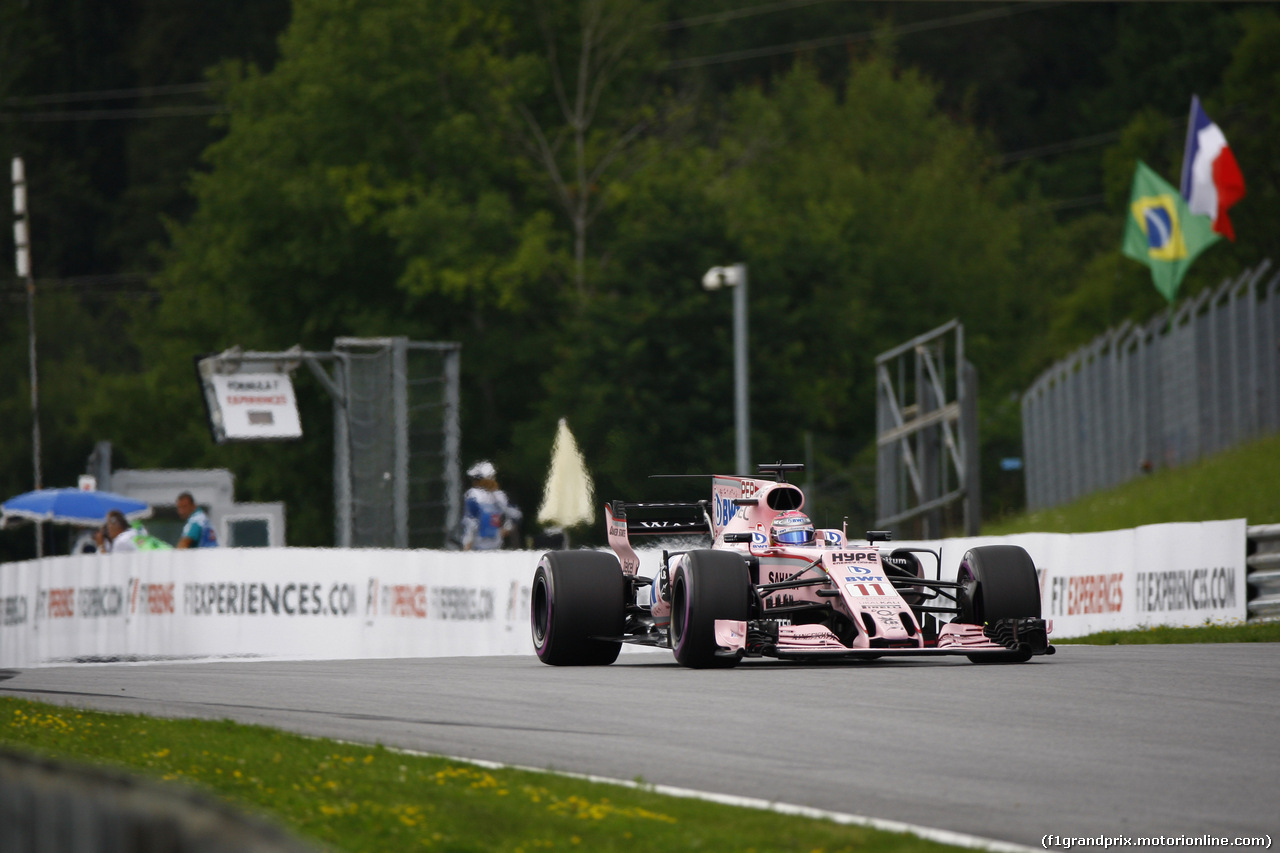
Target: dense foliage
548, 186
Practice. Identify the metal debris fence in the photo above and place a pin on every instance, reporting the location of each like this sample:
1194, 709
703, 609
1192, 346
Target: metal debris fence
1139, 398
401, 428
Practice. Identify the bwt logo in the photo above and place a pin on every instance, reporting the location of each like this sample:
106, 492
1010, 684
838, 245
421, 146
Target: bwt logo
724, 510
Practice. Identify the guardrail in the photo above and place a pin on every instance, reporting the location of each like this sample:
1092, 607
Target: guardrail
1263, 562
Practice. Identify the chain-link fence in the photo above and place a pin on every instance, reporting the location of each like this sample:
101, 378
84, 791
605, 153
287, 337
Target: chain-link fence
401, 430
1140, 398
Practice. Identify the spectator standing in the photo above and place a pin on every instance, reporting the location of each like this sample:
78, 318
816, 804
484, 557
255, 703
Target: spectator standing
123, 536
488, 516
197, 530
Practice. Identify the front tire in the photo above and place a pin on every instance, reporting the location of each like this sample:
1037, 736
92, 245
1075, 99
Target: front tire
578, 597
998, 582
706, 586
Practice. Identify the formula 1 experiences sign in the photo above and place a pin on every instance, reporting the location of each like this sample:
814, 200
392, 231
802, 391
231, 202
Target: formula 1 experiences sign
253, 406
1178, 574
283, 603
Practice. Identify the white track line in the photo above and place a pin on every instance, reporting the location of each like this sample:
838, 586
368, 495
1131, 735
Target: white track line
942, 836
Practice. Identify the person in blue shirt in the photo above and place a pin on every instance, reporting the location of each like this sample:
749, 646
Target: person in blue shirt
488, 516
197, 529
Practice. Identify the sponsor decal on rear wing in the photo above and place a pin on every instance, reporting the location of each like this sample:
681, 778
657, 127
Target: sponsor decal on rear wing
624, 520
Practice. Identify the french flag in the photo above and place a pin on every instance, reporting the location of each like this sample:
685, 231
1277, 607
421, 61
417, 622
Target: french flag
1211, 179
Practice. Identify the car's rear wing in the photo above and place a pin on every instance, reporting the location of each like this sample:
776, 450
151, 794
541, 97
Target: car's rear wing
624, 520
664, 519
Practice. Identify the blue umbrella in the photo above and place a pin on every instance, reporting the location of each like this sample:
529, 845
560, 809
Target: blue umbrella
72, 506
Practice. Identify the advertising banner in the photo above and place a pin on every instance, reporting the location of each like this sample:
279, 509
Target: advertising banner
292, 603
252, 406
299, 603
1178, 574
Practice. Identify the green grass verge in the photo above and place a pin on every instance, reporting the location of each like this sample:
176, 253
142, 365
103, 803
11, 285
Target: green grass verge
1237, 483
1257, 632
361, 798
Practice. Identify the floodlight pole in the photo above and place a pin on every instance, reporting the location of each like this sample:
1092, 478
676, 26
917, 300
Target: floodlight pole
22, 263
735, 277
741, 421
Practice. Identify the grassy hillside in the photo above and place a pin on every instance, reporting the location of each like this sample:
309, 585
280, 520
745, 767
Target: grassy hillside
1243, 482
1253, 632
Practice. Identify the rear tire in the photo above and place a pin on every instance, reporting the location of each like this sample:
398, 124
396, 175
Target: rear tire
706, 586
999, 582
577, 598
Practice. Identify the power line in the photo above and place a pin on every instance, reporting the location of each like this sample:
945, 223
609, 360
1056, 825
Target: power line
852, 38
109, 115
1059, 147
1175, 126
89, 282
109, 94
1082, 201
734, 14
91, 287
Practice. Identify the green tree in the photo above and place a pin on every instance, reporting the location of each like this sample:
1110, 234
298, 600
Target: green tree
866, 216
583, 105
355, 193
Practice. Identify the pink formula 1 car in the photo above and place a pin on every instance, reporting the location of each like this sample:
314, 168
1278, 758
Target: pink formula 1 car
772, 585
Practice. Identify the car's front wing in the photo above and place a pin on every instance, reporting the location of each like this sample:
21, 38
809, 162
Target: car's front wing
815, 642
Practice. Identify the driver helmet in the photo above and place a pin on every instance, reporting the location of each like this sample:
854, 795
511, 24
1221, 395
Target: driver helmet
792, 528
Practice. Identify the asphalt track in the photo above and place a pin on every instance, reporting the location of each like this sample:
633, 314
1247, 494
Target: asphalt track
1121, 740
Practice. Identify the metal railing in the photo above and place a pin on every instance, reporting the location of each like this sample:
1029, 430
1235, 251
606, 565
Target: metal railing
1161, 395
1263, 561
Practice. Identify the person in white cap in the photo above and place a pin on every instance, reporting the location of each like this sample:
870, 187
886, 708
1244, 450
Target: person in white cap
488, 516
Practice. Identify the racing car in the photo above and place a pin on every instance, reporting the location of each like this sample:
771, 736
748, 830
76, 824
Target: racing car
772, 585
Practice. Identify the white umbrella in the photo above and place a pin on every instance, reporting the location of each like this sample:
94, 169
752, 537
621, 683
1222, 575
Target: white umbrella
569, 497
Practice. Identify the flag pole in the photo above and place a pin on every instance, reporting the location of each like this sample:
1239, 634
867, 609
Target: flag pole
1185, 187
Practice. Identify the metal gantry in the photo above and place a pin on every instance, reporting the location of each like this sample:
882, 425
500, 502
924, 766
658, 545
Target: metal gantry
396, 435
927, 433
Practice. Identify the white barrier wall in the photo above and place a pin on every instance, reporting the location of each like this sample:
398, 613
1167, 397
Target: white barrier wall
290, 603
298, 603
1161, 574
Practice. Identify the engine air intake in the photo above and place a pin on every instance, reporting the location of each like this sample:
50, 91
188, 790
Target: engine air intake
783, 498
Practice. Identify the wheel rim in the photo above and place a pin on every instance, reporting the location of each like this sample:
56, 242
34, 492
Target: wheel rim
540, 610
965, 595
679, 612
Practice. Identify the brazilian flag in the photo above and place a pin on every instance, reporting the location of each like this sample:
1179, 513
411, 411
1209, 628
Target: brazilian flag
1162, 233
